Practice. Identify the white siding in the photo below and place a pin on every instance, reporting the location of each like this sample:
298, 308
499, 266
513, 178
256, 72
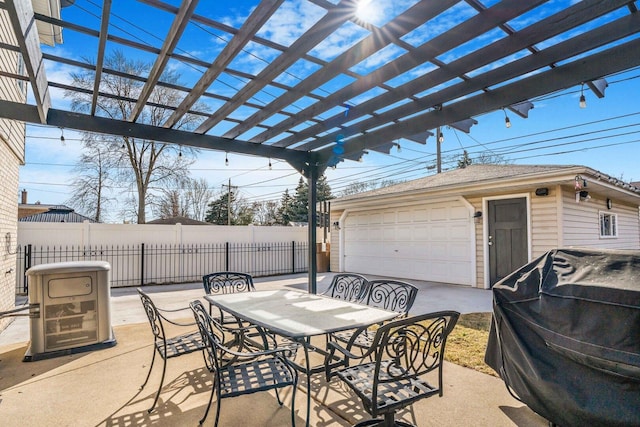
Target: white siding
581, 223
544, 222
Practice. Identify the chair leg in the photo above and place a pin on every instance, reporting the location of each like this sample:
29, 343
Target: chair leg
206, 412
218, 404
150, 368
278, 397
164, 370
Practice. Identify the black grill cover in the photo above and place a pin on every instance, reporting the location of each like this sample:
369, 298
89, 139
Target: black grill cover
565, 336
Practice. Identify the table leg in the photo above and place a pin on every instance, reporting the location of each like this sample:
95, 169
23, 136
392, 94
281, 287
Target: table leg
308, 375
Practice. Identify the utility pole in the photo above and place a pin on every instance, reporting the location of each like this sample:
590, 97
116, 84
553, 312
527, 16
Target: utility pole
229, 188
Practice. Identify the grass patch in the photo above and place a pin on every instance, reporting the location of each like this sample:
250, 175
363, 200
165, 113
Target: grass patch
467, 342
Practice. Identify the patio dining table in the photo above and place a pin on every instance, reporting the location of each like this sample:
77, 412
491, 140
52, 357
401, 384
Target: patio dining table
299, 316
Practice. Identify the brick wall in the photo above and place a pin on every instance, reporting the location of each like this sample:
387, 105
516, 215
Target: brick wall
11, 157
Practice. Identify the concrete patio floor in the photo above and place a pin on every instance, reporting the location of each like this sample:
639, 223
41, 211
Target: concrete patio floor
101, 388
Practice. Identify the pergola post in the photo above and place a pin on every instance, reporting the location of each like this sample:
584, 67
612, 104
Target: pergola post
312, 178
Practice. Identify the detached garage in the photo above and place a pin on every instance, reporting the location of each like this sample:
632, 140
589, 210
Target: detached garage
475, 225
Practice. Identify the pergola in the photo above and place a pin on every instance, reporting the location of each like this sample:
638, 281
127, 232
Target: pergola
445, 62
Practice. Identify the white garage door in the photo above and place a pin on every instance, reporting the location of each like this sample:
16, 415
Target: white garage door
428, 242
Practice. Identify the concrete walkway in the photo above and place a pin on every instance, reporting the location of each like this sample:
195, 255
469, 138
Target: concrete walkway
101, 388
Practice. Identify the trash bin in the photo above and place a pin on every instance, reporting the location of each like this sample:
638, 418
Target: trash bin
69, 308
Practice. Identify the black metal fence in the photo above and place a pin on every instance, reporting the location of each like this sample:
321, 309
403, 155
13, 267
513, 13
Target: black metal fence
164, 264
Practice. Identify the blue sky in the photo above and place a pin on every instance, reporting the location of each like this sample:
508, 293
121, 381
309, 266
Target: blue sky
603, 136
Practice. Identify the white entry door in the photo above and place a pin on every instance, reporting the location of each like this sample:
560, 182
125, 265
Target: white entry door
431, 242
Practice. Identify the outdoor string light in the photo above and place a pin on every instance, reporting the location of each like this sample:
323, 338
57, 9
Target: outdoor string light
507, 122
583, 100
226, 159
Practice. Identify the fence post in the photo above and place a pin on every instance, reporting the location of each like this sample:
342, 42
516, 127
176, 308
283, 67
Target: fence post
142, 264
226, 256
293, 257
27, 265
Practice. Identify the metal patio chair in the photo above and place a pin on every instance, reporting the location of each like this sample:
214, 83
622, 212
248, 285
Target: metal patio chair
391, 295
403, 352
168, 347
227, 282
347, 286
237, 370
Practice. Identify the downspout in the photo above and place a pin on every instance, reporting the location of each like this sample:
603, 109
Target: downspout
341, 247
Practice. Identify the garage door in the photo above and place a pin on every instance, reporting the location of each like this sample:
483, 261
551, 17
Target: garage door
427, 242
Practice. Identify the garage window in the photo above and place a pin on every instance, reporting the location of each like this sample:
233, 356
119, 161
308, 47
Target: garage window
608, 225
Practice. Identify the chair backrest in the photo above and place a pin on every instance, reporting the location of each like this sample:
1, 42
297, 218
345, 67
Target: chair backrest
346, 286
227, 282
391, 295
153, 315
412, 347
207, 331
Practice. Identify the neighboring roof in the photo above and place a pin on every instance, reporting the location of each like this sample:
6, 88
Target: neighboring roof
477, 175
57, 213
178, 220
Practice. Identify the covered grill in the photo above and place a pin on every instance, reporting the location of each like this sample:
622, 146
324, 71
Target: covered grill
566, 336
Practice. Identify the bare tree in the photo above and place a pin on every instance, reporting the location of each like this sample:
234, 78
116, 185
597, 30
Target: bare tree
188, 198
93, 173
266, 212
172, 204
145, 164
198, 197
360, 187
490, 158
465, 160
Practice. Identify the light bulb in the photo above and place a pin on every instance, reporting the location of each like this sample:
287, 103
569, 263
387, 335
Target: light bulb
583, 102
507, 122
226, 160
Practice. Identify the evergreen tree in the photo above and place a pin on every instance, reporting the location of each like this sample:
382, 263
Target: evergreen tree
300, 211
323, 189
285, 214
218, 212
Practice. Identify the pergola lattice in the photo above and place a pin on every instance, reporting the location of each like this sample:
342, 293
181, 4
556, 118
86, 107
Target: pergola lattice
450, 60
